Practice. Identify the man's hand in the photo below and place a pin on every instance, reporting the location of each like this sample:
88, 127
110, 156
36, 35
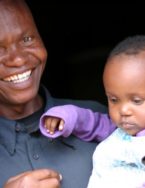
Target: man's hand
42, 178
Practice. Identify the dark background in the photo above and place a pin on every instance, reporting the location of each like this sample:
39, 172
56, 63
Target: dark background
79, 37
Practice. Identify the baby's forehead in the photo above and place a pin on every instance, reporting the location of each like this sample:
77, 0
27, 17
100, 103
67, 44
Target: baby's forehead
127, 61
125, 67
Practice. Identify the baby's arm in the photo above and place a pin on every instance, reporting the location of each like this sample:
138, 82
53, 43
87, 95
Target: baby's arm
83, 123
143, 186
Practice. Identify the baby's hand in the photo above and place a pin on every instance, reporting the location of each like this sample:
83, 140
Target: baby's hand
53, 123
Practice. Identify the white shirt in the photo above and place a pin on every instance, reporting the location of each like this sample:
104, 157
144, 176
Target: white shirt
118, 162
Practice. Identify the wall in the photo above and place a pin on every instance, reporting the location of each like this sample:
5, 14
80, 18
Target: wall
78, 38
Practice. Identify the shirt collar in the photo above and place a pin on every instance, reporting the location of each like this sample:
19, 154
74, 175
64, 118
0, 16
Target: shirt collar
9, 128
8, 134
48, 99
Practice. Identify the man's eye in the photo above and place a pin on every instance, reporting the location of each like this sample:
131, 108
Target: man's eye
27, 39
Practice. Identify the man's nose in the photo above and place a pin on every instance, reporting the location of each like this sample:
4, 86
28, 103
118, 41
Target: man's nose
15, 58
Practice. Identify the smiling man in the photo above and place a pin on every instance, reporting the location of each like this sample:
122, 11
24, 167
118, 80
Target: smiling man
26, 156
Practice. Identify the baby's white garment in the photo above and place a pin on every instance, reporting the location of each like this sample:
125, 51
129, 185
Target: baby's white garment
118, 162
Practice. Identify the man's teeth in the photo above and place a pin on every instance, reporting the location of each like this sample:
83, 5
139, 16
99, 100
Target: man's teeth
19, 77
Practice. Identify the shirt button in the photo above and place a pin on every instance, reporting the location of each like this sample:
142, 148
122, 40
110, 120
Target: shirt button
17, 128
36, 156
50, 140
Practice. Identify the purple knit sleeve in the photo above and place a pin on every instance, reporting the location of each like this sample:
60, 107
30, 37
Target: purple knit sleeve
80, 122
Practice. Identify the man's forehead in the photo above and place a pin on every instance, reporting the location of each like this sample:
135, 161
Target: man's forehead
13, 4
12, 1
15, 18
14, 8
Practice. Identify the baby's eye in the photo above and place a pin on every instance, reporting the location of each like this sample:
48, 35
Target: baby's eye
112, 99
138, 101
27, 39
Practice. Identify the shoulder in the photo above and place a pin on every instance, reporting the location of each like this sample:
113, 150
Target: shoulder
93, 105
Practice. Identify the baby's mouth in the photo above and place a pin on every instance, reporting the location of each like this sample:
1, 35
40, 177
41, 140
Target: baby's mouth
127, 125
18, 78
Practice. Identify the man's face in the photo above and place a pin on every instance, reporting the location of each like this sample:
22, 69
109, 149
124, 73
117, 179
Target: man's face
22, 55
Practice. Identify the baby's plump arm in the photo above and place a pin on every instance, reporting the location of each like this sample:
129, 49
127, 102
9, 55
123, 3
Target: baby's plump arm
81, 122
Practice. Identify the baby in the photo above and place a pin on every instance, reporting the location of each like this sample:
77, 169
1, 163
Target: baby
119, 160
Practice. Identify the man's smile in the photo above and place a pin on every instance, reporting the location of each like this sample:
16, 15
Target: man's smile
17, 78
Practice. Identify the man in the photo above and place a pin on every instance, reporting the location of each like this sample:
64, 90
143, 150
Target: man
27, 158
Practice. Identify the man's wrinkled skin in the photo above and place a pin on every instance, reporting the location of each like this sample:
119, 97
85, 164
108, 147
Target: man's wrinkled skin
22, 61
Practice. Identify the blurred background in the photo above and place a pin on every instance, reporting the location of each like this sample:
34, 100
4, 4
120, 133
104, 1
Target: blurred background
78, 38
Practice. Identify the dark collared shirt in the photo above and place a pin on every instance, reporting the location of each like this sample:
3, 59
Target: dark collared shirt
23, 148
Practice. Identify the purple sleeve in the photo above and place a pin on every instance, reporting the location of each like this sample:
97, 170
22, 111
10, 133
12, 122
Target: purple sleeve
143, 186
80, 122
